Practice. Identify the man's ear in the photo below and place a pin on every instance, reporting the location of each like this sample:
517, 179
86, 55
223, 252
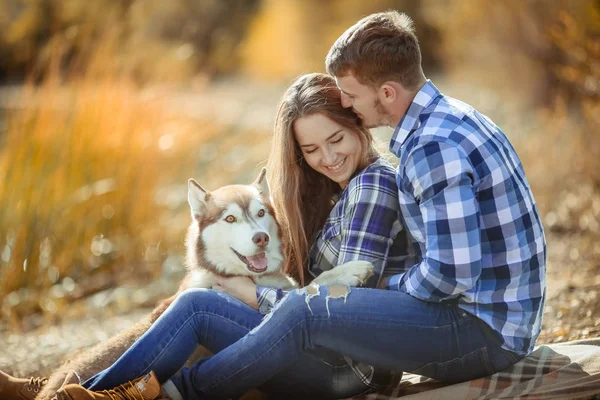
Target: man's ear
197, 198
262, 185
387, 93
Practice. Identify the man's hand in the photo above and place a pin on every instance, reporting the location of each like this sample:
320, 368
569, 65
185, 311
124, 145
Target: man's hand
240, 287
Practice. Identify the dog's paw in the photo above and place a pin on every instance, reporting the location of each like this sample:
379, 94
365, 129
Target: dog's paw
356, 273
353, 273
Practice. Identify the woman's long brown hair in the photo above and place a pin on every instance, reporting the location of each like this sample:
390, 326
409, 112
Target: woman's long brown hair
303, 197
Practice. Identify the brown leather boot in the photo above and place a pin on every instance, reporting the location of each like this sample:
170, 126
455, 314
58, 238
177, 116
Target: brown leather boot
144, 388
12, 388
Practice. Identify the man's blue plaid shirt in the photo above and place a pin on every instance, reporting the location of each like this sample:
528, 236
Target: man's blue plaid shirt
472, 218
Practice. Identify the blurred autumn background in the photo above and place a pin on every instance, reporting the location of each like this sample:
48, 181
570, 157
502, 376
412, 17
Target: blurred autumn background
107, 107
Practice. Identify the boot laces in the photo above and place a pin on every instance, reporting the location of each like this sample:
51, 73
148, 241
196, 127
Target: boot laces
36, 384
127, 391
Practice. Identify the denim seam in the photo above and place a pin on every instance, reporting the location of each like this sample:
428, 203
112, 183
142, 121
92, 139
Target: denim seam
452, 324
514, 356
488, 362
148, 368
258, 359
485, 356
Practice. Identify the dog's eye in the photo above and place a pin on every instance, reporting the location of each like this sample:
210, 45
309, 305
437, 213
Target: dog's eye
230, 218
261, 213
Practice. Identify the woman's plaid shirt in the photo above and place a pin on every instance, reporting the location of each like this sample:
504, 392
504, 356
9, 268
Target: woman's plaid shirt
363, 225
472, 217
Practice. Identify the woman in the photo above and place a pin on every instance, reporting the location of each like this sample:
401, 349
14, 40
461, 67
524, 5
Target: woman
337, 202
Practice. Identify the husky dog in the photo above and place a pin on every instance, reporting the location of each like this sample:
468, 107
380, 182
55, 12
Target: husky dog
233, 232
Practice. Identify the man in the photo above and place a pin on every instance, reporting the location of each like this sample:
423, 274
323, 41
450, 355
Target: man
462, 189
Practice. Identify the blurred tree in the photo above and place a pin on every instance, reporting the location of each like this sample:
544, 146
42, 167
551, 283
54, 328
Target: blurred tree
291, 37
540, 50
152, 40
155, 40
207, 32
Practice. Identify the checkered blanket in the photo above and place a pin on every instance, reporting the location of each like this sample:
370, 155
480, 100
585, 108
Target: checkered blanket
558, 371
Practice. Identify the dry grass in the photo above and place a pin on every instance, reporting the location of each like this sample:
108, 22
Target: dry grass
94, 188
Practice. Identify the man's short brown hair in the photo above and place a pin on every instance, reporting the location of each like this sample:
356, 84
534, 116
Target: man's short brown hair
380, 47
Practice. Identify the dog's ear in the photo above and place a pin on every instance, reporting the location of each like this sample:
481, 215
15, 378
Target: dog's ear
261, 183
197, 197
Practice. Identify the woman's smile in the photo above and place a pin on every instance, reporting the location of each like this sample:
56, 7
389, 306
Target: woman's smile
337, 167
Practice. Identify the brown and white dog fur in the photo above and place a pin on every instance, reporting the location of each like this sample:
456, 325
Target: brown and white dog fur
233, 232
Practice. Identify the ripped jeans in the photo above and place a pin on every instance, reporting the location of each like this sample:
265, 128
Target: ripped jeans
387, 329
216, 320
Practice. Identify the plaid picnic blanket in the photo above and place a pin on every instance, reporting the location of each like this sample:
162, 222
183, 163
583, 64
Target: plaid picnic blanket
557, 371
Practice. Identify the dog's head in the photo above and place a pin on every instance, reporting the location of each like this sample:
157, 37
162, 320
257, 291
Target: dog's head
233, 229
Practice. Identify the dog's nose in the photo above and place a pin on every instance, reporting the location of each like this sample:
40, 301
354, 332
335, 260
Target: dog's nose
261, 239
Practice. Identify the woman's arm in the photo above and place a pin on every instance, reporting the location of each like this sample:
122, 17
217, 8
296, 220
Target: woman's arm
240, 287
261, 298
371, 220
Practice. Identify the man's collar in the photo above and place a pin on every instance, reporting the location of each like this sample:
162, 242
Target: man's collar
410, 120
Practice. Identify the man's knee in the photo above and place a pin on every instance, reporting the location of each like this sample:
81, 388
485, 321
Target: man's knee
302, 300
338, 291
295, 304
333, 290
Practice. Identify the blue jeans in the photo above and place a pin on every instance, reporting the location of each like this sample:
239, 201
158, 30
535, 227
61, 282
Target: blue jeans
216, 320
387, 329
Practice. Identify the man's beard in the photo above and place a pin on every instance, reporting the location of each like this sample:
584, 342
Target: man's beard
384, 117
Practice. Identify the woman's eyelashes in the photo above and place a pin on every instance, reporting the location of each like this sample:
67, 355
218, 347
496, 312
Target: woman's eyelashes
339, 139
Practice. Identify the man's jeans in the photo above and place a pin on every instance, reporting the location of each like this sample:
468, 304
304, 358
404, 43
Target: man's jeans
387, 329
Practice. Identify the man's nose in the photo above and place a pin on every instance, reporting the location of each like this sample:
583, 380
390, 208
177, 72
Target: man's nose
346, 101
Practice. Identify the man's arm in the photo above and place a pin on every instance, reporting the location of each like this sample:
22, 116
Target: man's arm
441, 180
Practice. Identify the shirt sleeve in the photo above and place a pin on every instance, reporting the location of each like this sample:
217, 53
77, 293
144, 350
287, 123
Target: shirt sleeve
371, 221
267, 297
441, 179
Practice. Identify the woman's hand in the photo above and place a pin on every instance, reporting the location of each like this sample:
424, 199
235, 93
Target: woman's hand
240, 287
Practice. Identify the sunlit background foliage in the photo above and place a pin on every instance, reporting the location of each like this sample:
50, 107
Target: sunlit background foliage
108, 107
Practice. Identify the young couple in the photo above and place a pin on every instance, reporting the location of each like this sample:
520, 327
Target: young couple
463, 301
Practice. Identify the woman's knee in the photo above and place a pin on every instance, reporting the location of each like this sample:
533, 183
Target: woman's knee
194, 299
